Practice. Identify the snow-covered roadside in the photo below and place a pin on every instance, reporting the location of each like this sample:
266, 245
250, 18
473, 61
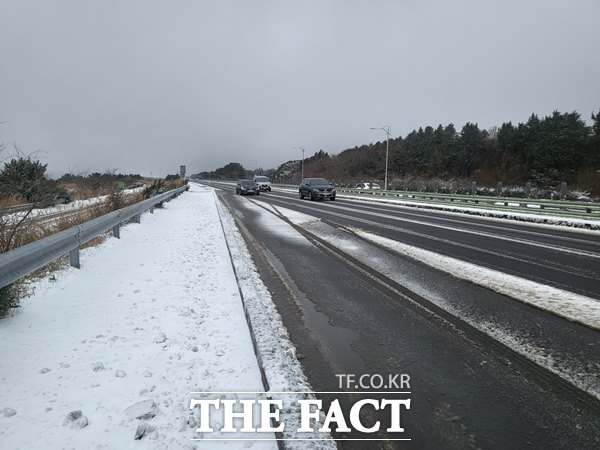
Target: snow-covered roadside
277, 353
148, 319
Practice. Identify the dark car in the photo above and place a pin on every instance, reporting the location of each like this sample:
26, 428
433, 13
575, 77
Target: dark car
63, 196
245, 187
316, 188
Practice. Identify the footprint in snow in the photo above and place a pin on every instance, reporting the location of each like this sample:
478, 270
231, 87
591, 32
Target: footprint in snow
76, 420
8, 412
160, 338
45, 370
120, 374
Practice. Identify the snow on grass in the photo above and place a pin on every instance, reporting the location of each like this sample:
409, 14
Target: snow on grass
71, 206
148, 319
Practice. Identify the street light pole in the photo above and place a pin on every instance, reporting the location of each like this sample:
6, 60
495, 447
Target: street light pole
301, 148
388, 130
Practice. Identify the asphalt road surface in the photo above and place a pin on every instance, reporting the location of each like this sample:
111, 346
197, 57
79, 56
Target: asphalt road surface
486, 371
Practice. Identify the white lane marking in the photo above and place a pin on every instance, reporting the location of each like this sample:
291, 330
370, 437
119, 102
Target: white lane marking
557, 248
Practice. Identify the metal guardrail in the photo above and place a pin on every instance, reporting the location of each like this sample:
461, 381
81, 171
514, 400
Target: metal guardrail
573, 208
23, 260
579, 209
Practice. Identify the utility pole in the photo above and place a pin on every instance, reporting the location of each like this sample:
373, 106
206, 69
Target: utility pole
388, 130
302, 170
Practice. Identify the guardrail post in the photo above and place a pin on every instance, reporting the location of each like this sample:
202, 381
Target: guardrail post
74, 254
152, 210
498, 188
563, 190
117, 231
137, 218
473, 188
527, 189
74, 258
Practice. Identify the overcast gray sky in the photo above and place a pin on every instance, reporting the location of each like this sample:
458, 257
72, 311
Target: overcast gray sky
144, 86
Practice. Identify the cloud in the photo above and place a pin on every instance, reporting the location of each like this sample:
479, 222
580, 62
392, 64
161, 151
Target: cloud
144, 86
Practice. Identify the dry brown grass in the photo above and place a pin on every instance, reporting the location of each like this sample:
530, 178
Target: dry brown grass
81, 191
15, 233
13, 200
588, 179
72, 220
173, 184
18, 229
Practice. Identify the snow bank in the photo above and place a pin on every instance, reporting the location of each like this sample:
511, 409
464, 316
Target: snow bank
574, 307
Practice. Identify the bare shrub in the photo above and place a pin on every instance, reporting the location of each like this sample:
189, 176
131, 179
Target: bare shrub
10, 296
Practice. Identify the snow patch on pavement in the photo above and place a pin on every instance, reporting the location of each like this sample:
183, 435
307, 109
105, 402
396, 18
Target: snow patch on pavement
583, 374
267, 213
571, 306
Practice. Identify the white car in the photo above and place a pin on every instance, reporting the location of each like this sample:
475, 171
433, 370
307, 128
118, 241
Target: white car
368, 186
263, 183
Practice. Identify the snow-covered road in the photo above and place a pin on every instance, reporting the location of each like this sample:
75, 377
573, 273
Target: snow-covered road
148, 320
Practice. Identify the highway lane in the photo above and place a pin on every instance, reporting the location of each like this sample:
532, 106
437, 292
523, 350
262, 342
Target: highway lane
467, 393
565, 258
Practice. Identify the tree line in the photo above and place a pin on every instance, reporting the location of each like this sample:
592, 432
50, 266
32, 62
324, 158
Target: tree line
543, 150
